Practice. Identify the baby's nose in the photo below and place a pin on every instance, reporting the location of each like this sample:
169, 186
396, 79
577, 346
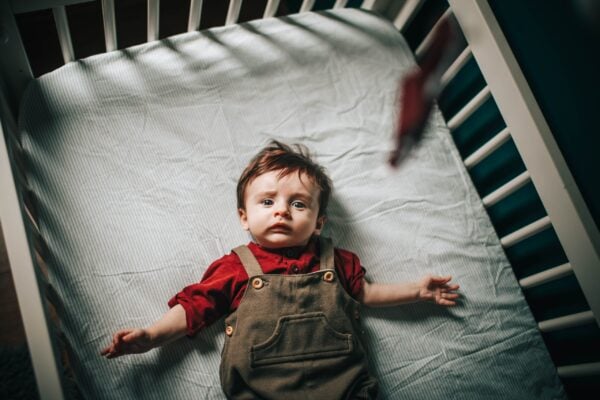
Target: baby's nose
282, 210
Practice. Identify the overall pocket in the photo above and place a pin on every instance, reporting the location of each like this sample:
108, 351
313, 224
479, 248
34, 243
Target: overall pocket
301, 337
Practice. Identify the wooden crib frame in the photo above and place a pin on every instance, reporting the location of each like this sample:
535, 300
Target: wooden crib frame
566, 210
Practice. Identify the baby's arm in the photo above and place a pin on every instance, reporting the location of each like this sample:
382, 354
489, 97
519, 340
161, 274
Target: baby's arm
433, 288
170, 327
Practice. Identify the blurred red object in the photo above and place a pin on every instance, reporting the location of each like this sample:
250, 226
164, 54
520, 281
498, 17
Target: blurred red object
419, 89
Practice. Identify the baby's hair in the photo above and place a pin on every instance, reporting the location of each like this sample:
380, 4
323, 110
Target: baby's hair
287, 159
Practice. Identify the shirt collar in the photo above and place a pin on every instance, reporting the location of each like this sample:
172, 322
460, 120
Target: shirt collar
303, 254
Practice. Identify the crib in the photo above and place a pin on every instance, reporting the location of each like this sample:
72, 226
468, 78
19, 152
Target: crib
541, 219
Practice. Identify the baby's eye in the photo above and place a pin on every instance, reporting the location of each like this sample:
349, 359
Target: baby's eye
266, 202
298, 204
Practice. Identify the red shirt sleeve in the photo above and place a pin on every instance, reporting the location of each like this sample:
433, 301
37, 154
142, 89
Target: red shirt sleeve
211, 298
224, 282
350, 271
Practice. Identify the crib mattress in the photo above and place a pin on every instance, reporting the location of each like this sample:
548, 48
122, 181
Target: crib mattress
134, 155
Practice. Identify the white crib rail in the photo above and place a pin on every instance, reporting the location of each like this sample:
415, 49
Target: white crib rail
152, 26
407, 13
195, 15
64, 34
488, 148
110, 26
31, 299
546, 276
507, 189
233, 12
271, 8
469, 108
426, 42
456, 66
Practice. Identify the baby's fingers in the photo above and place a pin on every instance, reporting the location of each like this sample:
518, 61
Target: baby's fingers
452, 287
106, 350
447, 303
440, 280
110, 352
118, 336
447, 299
132, 336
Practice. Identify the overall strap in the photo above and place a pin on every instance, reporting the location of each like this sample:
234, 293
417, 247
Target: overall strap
248, 261
326, 246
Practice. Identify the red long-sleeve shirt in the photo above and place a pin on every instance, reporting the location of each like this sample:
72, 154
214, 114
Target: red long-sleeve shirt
224, 282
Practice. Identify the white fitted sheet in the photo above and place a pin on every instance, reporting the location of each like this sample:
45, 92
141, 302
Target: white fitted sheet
134, 156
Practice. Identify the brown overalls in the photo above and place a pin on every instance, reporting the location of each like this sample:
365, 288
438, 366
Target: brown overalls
295, 337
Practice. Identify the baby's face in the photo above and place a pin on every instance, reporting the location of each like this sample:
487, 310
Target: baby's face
281, 211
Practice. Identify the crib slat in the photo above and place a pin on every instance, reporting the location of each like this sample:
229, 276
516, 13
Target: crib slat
153, 19
307, 5
546, 276
506, 189
456, 66
579, 370
233, 13
568, 321
271, 8
526, 231
340, 3
31, 219
42, 266
110, 27
488, 148
195, 14
64, 35
406, 13
28, 199
427, 40
469, 108
368, 4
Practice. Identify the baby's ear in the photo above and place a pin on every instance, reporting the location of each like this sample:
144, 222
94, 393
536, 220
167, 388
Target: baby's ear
243, 218
320, 223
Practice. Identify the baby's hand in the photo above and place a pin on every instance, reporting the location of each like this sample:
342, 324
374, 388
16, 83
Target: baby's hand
128, 341
436, 289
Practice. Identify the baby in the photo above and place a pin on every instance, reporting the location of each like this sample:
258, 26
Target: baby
291, 300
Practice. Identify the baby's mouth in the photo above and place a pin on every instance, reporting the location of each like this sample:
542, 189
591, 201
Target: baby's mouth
280, 227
